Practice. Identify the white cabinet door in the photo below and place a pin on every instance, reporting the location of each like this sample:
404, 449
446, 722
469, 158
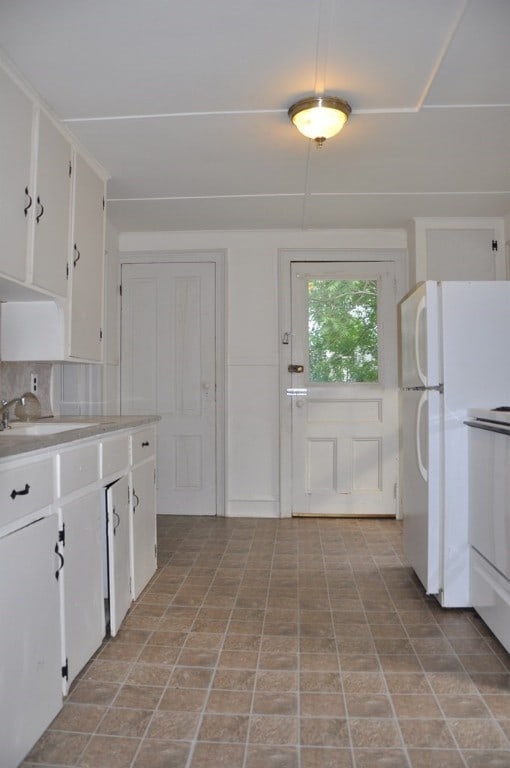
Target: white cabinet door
82, 582
16, 193
143, 538
119, 563
86, 264
51, 209
459, 249
30, 673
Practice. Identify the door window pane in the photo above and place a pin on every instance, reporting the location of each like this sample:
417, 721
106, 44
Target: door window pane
342, 330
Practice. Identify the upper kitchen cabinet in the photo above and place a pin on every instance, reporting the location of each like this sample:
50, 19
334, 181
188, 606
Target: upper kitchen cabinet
457, 249
86, 265
52, 222
35, 192
16, 193
48, 251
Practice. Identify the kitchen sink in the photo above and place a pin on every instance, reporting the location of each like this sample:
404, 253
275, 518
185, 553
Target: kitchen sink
36, 429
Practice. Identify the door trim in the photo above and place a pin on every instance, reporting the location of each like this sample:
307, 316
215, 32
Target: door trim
285, 257
218, 258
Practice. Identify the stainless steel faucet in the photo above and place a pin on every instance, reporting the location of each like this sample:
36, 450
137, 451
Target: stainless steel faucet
4, 412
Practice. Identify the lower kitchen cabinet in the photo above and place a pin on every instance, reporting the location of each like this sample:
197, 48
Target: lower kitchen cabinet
119, 552
81, 582
30, 673
143, 538
61, 556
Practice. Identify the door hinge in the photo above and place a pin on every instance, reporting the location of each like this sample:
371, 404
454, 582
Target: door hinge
103, 203
65, 670
67, 271
494, 245
70, 169
100, 334
395, 491
62, 534
155, 550
120, 290
154, 475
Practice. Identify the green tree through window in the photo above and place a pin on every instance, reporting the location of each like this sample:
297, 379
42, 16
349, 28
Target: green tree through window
342, 330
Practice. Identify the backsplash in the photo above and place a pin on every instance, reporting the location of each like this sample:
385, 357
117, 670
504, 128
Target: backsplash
15, 380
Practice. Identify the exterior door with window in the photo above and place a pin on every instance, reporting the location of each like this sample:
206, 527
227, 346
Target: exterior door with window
344, 389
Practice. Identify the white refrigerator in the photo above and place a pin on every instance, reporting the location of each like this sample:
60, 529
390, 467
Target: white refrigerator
454, 355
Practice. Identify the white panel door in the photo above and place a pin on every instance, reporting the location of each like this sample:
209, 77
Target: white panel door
344, 400
168, 367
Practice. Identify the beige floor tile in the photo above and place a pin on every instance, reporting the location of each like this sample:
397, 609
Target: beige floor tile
125, 722
79, 718
58, 748
109, 752
162, 754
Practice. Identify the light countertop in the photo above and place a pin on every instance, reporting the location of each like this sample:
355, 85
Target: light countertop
12, 445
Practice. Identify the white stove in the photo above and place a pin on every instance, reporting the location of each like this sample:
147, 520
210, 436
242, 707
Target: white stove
489, 517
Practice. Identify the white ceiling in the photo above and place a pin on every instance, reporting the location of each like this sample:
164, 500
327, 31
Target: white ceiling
185, 104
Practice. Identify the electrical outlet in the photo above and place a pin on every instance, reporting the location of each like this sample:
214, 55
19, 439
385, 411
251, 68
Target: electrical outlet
34, 385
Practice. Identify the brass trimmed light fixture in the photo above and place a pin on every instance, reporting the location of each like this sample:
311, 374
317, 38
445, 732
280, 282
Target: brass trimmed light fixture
320, 117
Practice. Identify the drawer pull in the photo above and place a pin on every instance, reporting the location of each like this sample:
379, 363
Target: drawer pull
145, 444
61, 564
24, 492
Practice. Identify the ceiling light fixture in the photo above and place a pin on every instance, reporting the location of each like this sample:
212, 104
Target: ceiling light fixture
320, 117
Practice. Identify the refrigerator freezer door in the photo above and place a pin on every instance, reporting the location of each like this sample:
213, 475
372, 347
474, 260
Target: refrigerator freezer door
421, 485
420, 338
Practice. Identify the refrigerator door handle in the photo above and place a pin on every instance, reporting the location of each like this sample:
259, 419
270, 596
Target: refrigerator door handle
421, 466
419, 312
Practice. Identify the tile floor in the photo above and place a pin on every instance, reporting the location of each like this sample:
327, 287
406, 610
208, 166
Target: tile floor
287, 644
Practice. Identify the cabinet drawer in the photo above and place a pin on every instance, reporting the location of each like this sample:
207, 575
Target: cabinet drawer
77, 468
114, 455
143, 444
25, 489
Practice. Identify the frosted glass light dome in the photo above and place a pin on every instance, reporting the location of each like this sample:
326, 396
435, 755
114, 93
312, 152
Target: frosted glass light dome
320, 117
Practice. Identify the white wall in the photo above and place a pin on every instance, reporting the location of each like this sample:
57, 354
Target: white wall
252, 344
111, 364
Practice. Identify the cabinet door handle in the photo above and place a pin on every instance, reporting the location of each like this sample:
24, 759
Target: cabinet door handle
116, 521
77, 255
61, 564
41, 210
29, 204
24, 492
145, 444
136, 499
